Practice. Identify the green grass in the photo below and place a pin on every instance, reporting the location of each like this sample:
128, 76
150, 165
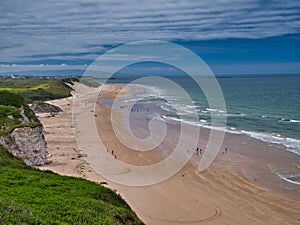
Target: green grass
31, 196
8, 128
70, 80
6, 111
9, 118
28, 88
10, 105
11, 99
37, 89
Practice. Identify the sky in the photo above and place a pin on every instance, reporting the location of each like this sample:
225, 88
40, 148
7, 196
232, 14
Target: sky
231, 36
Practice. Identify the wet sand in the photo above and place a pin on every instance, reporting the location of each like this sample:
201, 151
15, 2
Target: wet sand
240, 187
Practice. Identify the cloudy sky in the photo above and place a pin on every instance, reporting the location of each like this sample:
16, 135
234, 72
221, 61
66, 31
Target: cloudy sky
231, 36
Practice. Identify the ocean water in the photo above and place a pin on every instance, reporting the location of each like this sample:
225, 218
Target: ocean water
263, 107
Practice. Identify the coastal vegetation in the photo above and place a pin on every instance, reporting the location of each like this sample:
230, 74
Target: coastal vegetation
15, 113
31, 196
38, 89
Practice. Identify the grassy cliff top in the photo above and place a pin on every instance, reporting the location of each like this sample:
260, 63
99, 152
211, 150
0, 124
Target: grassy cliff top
11, 116
18, 92
37, 89
31, 196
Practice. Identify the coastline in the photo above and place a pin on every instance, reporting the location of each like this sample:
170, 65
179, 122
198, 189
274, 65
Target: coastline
238, 188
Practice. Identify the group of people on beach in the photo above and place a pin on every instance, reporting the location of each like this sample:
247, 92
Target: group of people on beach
134, 110
199, 151
137, 109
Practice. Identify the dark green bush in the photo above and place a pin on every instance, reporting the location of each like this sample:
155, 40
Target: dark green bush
11, 99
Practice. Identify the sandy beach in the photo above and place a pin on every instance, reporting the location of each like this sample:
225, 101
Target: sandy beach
240, 187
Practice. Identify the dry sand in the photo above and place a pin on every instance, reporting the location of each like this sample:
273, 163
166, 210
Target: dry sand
239, 187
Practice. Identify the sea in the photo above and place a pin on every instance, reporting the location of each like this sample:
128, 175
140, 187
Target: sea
265, 107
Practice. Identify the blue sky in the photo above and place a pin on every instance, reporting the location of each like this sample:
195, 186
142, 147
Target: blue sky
232, 37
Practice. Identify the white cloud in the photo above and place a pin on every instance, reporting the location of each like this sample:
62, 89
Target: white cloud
40, 30
27, 67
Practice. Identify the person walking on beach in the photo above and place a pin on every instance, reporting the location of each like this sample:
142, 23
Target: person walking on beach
197, 151
226, 150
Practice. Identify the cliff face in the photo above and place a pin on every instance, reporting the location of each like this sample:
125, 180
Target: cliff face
20, 130
28, 144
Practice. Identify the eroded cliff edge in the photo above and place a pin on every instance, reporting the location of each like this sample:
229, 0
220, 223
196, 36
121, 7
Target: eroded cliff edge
27, 143
20, 131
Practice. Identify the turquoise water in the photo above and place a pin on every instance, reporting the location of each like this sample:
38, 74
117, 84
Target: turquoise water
263, 107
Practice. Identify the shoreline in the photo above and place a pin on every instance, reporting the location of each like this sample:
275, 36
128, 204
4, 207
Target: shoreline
291, 143
219, 192
242, 138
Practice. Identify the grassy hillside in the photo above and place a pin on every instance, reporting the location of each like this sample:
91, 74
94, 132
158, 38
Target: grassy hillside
10, 114
31, 196
37, 89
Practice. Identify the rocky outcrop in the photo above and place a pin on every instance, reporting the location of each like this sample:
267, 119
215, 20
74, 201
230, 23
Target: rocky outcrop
43, 107
27, 143
21, 132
